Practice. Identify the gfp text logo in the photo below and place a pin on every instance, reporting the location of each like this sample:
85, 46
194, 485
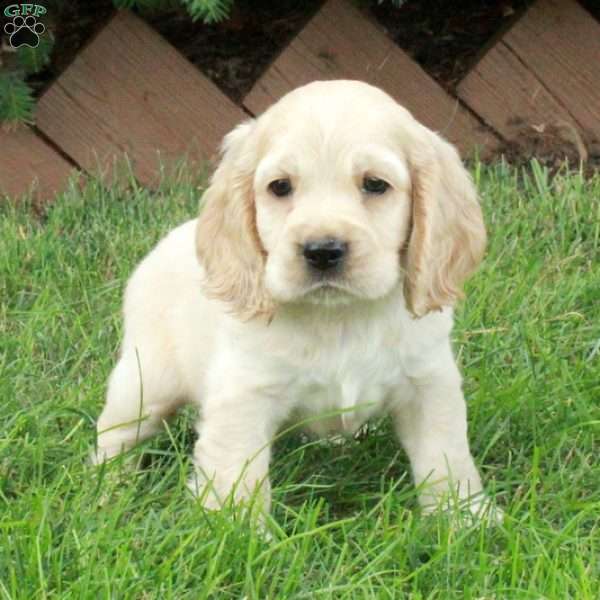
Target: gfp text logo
24, 29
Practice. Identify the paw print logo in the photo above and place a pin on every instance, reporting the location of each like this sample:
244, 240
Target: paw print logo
24, 31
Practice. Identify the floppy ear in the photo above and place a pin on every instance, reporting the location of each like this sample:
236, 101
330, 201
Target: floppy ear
227, 242
448, 237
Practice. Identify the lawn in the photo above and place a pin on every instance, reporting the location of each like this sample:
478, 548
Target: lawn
345, 523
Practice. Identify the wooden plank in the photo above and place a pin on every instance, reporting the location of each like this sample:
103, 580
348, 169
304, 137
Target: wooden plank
508, 96
341, 43
560, 41
545, 71
28, 164
130, 92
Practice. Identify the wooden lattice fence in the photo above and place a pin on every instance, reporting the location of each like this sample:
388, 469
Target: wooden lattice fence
130, 92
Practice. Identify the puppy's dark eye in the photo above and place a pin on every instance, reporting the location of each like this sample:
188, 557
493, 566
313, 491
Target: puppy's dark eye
281, 187
374, 185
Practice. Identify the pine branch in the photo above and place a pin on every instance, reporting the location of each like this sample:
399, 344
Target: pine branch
210, 11
16, 100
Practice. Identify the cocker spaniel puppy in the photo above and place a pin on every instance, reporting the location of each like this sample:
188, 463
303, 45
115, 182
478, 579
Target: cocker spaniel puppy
316, 285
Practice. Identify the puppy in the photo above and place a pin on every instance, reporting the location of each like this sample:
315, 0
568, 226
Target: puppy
317, 285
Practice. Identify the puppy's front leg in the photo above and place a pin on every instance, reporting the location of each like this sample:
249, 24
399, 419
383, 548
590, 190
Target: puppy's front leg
232, 454
432, 427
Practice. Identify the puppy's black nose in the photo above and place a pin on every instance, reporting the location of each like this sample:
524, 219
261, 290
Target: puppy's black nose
324, 254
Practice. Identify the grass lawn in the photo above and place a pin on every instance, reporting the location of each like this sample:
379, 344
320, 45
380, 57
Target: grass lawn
345, 520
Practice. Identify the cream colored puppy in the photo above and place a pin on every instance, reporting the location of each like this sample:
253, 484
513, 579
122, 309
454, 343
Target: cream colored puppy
317, 284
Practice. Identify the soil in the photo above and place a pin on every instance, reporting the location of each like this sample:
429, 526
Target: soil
445, 38
235, 53
552, 147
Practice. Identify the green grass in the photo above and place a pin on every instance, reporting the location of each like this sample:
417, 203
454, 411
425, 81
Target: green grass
345, 524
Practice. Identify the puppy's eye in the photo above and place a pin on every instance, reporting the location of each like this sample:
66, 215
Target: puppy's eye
374, 185
281, 187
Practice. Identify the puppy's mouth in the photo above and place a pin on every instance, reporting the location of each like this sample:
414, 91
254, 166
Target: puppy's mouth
329, 291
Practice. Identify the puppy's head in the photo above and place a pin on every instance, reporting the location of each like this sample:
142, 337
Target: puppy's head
334, 195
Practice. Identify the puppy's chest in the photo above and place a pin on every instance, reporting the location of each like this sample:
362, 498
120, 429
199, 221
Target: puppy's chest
340, 385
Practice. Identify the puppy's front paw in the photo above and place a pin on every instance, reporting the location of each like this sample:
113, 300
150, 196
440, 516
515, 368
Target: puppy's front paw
483, 508
251, 506
203, 489
477, 508
217, 492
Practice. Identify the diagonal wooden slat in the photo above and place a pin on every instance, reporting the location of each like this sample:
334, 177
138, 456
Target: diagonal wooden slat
341, 43
544, 71
28, 164
130, 92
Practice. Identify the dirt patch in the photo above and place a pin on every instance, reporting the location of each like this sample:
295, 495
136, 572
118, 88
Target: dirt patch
553, 146
446, 38
235, 53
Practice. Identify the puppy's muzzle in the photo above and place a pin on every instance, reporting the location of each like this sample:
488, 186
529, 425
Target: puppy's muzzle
325, 254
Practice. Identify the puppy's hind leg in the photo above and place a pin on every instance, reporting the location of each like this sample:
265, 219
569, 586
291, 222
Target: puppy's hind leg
141, 394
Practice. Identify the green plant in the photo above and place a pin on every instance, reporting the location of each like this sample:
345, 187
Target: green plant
16, 97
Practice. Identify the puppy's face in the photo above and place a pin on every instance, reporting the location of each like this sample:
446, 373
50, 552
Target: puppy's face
332, 198
336, 194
